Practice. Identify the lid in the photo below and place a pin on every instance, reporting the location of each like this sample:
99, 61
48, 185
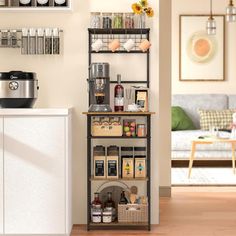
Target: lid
25, 32
40, 32
55, 32
140, 149
32, 32
17, 75
48, 32
95, 13
126, 148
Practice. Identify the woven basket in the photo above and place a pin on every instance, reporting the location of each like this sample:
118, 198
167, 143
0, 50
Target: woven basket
133, 213
109, 130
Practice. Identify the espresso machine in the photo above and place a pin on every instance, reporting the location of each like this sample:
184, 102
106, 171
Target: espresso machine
99, 87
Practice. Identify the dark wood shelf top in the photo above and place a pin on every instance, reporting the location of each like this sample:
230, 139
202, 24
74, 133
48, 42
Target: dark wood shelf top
120, 51
119, 179
125, 113
116, 137
118, 225
119, 31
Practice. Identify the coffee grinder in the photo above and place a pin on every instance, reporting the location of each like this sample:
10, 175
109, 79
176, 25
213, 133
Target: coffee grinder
99, 87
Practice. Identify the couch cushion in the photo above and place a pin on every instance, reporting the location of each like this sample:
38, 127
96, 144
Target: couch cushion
221, 119
232, 101
181, 141
192, 102
180, 120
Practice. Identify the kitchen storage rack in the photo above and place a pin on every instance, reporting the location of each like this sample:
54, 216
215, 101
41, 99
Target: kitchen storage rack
14, 5
107, 35
90, 178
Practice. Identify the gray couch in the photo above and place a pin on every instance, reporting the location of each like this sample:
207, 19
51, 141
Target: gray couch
181, 140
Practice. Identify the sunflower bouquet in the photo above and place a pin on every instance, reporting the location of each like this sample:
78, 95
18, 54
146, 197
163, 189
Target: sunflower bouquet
142, 7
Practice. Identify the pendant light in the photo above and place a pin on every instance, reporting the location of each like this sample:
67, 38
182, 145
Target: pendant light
231, 12
211, 23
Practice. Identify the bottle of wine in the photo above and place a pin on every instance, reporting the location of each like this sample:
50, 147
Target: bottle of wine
25, 3
42, 3
60, 3
123, 199
119, 95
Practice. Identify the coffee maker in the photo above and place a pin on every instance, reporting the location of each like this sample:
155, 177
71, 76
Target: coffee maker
99, 87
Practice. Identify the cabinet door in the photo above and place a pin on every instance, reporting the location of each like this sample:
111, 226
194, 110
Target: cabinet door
34, 175
1, 176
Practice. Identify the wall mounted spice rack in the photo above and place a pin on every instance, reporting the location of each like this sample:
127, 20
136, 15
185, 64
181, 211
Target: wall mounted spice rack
41, 41
14, 5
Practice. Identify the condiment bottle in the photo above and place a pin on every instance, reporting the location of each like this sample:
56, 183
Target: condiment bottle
24, 41
119, 95
123, 199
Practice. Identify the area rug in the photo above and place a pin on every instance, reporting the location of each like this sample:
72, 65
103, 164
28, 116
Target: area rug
203, 176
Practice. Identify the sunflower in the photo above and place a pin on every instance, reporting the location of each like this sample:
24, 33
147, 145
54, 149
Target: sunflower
144, 3
149, 11
137, 8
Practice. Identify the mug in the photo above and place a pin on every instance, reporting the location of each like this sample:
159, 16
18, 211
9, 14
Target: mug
129, 45
115, 44
145, 45
97, 45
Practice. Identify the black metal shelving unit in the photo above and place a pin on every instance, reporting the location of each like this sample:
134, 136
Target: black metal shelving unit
106, 35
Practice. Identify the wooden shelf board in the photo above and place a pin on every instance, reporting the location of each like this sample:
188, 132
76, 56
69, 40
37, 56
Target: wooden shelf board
116, 137
120, 179
118, 224
140, 113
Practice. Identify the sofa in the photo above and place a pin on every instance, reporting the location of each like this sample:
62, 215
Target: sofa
181, 140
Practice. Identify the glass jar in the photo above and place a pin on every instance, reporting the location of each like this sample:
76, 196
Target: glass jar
13, 37
4, 38
129, 20
95, 21
96, 204
107, 216
118, 21
106, 20
96, 215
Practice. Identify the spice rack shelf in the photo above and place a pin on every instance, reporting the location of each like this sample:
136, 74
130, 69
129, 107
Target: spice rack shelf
14, 6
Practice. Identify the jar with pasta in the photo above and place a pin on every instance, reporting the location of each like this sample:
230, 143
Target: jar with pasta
118, 21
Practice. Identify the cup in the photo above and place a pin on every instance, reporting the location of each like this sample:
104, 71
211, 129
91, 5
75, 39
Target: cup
97, 45
129, 45
144, 45
115, 44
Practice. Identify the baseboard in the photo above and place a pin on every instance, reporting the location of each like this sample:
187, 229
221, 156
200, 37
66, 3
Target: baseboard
202, 163
165, 191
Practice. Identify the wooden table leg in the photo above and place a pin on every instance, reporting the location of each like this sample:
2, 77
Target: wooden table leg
193, 149
233, 156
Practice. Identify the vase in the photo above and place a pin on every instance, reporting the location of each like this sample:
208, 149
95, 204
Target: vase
142, 20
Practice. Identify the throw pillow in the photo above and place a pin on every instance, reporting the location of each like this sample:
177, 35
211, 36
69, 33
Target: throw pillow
221, 119
180, 120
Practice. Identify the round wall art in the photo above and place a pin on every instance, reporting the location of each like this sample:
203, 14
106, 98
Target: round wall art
201, 48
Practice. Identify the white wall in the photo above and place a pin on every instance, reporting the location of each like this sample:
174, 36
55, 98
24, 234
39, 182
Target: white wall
202, 7
62, 80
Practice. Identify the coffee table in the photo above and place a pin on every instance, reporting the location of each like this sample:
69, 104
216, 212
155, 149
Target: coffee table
211, 140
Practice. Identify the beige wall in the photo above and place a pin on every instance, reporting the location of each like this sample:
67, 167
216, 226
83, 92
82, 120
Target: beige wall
62, 80
202, 7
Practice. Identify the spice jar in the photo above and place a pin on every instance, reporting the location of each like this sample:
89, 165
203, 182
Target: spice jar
118, 20
96, 215
4, 37
106, 20
95, 21
141, 130
129, 20
107, 216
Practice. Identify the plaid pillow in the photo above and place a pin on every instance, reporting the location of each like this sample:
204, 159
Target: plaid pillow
222, 119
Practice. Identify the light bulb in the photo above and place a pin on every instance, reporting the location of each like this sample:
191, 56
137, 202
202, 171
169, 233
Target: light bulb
231, 13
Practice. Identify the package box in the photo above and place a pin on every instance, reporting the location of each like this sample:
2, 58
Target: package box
127, 168
99, 167
112, 167
140, 168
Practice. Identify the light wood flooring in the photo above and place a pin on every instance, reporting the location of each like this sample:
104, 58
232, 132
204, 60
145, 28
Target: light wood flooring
192, 211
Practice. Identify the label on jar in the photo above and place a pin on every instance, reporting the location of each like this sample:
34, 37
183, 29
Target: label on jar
97, 219
119, 101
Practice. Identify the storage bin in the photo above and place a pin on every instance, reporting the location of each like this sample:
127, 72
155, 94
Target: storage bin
133, 213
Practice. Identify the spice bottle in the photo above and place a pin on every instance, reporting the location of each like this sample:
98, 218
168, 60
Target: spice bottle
40, 41
32, 41
24, 41
109, 203
48, 41
56, 41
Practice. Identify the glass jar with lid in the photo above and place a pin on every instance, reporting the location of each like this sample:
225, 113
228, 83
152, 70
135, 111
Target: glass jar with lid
106, 20
95, 20
129, 20
118, 21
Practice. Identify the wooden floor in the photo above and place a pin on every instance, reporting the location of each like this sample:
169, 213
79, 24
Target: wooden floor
192, 211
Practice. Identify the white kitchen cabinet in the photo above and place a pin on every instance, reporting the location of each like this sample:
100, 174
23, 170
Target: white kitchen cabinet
1, 176
37, 169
